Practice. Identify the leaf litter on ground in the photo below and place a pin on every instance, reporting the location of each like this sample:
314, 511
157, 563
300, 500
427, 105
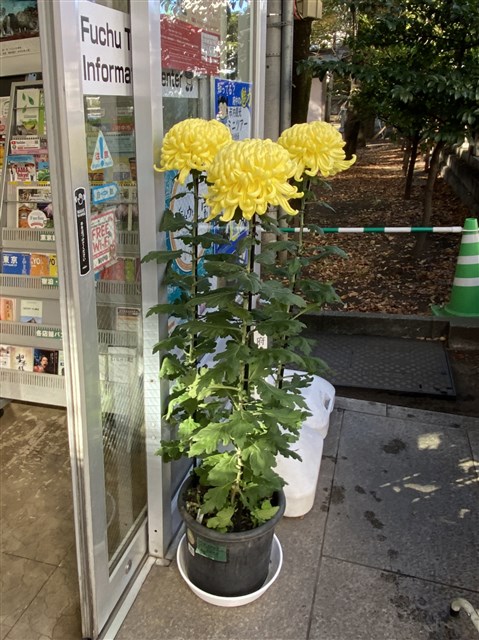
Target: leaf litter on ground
381, 273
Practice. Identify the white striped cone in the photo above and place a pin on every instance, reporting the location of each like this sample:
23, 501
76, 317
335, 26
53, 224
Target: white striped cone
464, 299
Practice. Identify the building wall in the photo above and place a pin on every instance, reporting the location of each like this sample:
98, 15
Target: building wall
461, 171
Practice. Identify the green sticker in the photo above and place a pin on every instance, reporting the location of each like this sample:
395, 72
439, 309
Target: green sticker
212, 551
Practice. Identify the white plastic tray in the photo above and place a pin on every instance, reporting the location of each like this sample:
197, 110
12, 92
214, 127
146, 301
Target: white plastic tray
275, 564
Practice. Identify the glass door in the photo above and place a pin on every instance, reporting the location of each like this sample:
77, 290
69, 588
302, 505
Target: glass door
91, 118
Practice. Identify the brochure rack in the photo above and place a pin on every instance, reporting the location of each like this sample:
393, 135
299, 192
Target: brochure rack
30, 327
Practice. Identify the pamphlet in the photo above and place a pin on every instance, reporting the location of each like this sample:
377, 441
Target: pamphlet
127, 319
8, 309
31, 311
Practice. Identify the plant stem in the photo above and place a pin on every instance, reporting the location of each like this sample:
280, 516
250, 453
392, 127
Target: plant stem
194, 262
247, 299
294, 277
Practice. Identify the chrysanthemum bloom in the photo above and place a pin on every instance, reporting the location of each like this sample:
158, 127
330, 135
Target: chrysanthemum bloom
250, 175
315, 147
192, 144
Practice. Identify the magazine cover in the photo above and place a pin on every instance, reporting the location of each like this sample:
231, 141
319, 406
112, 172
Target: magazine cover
34, 206
8, 309
43, 167
30, 111
21, 168
21, 358
61, 364
39, 264
45, 361
31, 311
5, 353
15, 263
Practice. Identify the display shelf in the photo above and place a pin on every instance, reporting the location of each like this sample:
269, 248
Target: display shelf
127, 243
120, 293
42, 388
28, 247
42, 239
118, 338
31, 335
29, 286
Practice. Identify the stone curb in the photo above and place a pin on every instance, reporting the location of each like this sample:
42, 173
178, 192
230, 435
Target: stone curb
459, 333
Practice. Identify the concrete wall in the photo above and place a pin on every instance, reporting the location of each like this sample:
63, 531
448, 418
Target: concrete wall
461, 171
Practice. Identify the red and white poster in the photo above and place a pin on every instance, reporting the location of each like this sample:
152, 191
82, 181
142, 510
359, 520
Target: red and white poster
191, 42
103, 235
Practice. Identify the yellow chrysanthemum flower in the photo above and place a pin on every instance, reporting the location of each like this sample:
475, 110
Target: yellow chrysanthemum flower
250, 175
192, 144
315, 147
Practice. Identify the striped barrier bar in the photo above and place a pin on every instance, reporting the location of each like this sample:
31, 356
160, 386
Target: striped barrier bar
377, 230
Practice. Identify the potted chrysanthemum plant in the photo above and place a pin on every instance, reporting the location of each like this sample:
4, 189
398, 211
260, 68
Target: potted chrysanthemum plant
236, 325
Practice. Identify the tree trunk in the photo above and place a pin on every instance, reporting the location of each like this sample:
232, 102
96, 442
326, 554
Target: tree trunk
427, 212
351, 133
406, 149
411, 165
301, 89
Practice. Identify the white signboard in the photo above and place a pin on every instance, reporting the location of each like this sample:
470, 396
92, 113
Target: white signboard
178, 84
105, 48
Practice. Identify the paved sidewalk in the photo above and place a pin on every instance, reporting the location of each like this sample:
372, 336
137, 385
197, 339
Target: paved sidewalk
393, 537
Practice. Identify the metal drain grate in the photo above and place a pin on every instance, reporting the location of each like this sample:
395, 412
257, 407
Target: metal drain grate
388, 364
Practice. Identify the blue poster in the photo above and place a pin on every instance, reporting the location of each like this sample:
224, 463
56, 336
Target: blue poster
233, 106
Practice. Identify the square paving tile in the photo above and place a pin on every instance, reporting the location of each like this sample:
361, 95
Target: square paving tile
405, 499
354, 602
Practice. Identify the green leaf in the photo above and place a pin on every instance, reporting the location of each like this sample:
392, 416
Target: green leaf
217, 297
248, 282
259, 458
177, 310
266, 257
162, 256
188, 427
316, 229
169, 343
222, 268
170, 450
266, 512
213, 238
280, 327
224, 470
222, 521
172, 221
215, 498
206, 440
170, 367
275, 290
282, 245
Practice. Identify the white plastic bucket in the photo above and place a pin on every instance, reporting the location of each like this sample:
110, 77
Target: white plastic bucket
301, 475
319, 397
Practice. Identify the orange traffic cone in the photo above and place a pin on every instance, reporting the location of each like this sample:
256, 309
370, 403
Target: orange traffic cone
465, 288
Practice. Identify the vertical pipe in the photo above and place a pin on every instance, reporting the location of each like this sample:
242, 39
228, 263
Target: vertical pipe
287, 32
273, 69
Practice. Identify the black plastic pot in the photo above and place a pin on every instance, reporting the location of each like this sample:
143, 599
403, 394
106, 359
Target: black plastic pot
228, 564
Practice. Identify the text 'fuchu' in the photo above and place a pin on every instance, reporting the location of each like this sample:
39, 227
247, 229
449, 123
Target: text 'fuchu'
103, 35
